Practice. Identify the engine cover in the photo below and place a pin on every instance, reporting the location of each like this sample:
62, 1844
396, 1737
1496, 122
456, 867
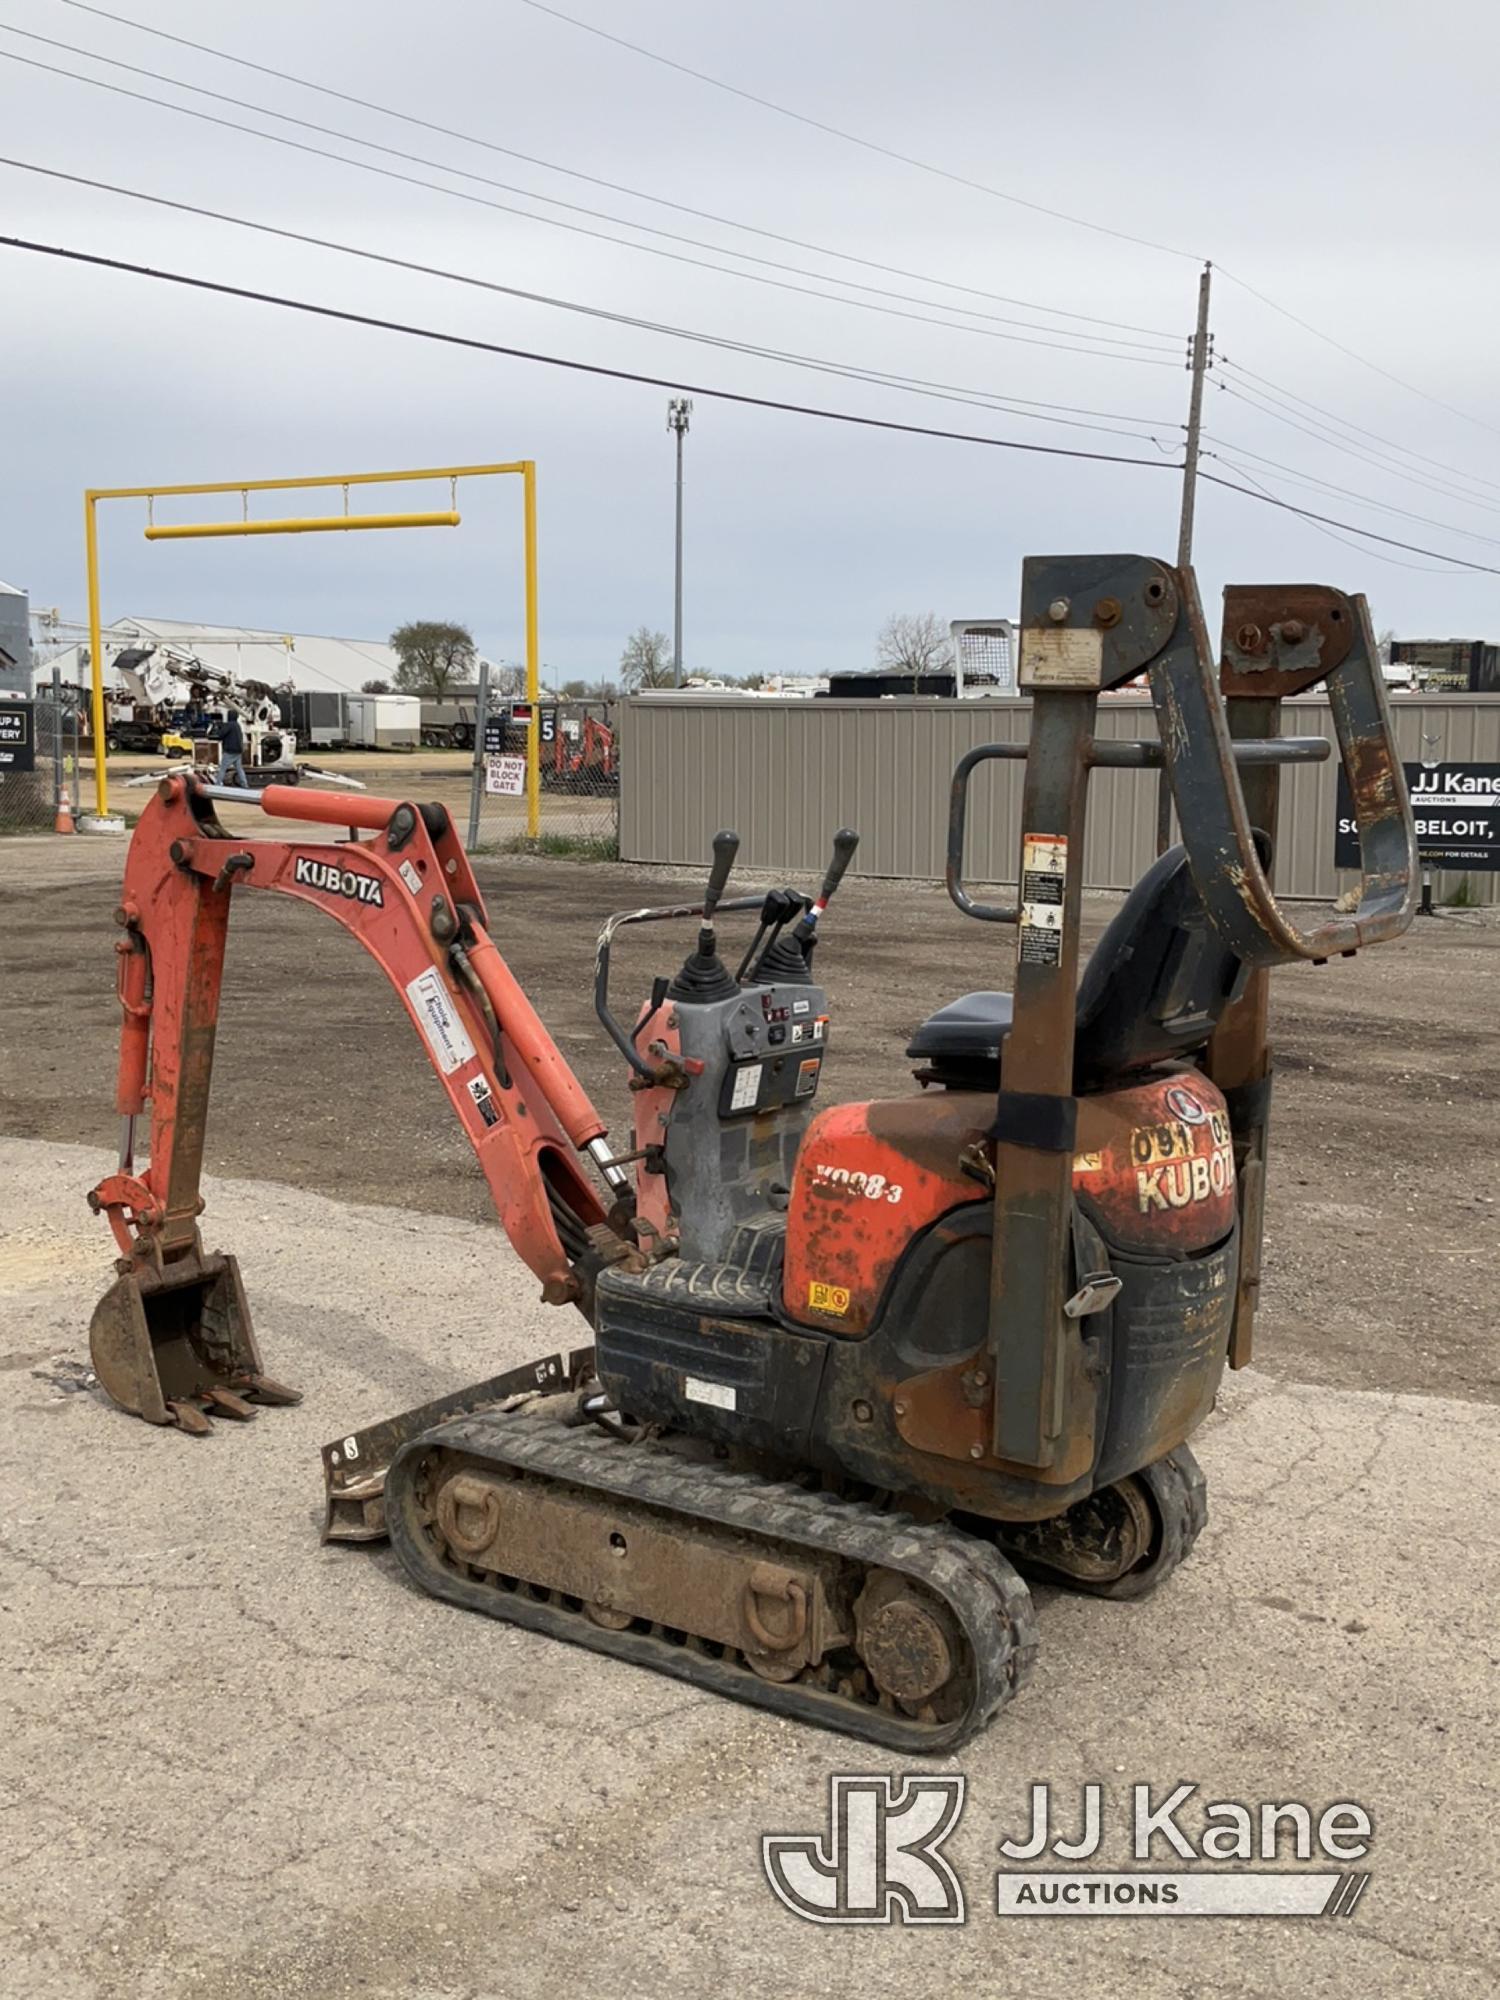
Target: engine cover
1154, 1167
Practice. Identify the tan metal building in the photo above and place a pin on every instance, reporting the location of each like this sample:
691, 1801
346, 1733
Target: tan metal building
784, 774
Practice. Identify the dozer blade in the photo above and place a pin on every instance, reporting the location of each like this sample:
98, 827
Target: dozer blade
176, 1343
354, 1467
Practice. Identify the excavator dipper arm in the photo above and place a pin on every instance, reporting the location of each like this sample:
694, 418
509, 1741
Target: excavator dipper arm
173, 1334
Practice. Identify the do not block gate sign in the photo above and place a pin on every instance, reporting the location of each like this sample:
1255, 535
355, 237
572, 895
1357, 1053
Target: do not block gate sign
505, 775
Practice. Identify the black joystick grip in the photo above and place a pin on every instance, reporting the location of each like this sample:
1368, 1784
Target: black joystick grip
703, 978
726, 847
844, 843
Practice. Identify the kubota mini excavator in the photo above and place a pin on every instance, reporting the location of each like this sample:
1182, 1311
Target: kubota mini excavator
856, 1371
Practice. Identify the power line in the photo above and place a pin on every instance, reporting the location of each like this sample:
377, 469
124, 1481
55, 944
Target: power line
476, 345
1166, 346
1148, 360
1330, 521
854, 139
597, 180
1300, 477
1021, 406
473, 344
999, 194
1425, 569
1254, 401
1274, 392
1351, 354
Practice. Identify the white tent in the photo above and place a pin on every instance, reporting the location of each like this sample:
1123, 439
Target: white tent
307, 660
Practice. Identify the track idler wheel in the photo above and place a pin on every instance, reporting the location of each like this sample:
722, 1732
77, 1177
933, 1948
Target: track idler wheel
1125, 1539
908, 1642
173, 1343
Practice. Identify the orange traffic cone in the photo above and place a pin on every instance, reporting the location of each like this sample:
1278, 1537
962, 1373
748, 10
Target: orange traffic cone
64, 820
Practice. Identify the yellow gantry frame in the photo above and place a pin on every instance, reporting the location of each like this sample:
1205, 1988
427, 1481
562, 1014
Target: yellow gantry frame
310, 524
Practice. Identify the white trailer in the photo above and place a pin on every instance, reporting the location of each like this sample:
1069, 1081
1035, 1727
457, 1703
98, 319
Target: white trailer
385, 721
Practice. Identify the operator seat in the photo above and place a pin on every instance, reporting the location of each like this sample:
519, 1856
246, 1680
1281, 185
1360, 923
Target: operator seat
1154, 989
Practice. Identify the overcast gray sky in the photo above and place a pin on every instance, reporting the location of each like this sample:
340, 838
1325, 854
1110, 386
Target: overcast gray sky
1338, 158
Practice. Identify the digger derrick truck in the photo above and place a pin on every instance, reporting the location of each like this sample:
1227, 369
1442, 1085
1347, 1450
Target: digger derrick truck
855, 1372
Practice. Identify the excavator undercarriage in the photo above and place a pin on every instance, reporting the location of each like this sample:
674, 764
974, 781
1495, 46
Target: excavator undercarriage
856, 1372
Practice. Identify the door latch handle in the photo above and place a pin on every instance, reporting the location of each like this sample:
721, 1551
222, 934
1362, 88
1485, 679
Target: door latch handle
1097, 1291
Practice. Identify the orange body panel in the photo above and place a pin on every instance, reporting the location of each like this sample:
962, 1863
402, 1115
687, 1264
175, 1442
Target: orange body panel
1154, 1162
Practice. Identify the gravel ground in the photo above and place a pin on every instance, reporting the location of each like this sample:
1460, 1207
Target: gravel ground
241, 1766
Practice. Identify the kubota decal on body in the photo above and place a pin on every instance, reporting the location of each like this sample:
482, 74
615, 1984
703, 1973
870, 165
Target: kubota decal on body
350, 882
1179, 1183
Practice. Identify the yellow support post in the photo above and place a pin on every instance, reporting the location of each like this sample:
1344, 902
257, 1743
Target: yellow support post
96, 653
314, 524
533, 658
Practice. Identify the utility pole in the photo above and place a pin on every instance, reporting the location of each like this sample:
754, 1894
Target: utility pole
679, 410
1200, 358
1199, 363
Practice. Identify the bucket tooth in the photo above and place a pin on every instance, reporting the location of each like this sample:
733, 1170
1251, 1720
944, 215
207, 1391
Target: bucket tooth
188, 1417
261, 1389
166, 1339
224, 1403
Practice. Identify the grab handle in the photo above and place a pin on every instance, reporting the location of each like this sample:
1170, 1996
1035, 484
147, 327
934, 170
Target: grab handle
1215, 823
958, 813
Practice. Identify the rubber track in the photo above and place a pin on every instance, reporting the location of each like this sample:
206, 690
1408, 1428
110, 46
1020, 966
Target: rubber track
980, 1588
1180, 1491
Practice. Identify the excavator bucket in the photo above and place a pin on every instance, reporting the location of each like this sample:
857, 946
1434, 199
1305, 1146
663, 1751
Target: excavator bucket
175, 1345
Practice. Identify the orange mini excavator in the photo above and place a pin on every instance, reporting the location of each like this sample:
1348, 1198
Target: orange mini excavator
855, 1372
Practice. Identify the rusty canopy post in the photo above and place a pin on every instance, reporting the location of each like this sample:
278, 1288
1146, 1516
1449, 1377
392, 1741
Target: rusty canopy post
1088, 624
309, 524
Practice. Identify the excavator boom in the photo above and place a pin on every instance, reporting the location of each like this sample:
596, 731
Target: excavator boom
173, 1333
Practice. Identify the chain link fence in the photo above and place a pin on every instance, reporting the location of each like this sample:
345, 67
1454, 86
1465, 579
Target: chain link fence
578, 765
38, 754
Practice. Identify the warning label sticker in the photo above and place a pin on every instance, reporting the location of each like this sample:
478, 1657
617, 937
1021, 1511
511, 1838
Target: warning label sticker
828, 1298
1040, 944
484, 1100
1044, 873
746, 1088
445, 1032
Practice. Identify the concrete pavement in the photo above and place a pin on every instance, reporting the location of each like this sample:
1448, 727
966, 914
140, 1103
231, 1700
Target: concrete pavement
236, 1763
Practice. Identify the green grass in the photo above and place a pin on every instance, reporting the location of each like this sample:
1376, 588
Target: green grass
568, 846
1463, 897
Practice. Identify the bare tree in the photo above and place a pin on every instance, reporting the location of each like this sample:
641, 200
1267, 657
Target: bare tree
915, 643
646, 661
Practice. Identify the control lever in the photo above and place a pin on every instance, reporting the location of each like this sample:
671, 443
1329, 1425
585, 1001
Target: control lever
703, 976
844, 843
781, 907
726, 847
785, 960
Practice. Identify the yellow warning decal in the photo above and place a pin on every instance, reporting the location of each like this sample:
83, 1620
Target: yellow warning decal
828, 1298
